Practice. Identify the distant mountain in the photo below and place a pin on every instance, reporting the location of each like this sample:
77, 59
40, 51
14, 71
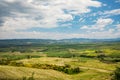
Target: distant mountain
27, 42
9, 42
82, 40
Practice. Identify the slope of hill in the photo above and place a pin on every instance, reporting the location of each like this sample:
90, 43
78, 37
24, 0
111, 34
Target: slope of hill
17, 73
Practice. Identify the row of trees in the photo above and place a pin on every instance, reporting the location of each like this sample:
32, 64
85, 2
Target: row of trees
66, 69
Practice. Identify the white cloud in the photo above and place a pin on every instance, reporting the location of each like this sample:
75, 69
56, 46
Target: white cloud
81, 20
45, 13
10, 1
100, 24
105, 14
112, 12
18, 23
56, 35
104, 34
48, 13
118, 27
84, 27
111, 30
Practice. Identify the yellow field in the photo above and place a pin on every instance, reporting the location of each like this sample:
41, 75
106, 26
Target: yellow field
91, 69
40, 74
10, 72
72, 61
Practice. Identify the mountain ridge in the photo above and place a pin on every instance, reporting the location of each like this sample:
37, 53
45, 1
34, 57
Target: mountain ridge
51, 41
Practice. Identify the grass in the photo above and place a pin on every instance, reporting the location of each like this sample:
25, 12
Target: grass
46, 60
84, 56
91, 75
94, 63
86, 62
11, 72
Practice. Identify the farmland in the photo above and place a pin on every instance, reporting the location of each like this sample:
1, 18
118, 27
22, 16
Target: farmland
55, 61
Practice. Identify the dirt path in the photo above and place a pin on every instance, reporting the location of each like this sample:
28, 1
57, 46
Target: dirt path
97, 69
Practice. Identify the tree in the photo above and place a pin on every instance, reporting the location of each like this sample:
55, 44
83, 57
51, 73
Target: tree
116, 74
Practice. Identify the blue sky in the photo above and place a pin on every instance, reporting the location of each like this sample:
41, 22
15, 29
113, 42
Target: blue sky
59, 19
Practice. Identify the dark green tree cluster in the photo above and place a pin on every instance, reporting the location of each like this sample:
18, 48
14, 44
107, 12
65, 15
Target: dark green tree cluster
116, 74
66, 68
4, 61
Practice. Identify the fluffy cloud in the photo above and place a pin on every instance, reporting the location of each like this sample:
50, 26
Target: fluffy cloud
104, 14
100, 24
118, 27
84, 27
24, 14
55, 35
112, 12
18, 15
18, 23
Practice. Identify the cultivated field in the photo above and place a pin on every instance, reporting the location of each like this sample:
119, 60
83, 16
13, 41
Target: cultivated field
84, 61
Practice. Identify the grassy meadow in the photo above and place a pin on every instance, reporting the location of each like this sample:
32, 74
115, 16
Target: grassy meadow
83, 61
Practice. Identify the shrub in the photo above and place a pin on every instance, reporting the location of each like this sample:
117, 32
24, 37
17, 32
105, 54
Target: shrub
66, 68
4, 61
116, 74
13, 63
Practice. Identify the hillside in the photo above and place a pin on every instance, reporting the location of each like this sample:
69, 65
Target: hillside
83, 61
17, 73
11, 73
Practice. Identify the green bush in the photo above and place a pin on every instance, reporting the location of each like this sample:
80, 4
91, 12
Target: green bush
4, 61
13, 63
116, 74
66, 68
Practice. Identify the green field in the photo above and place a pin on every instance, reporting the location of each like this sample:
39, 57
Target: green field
83, 61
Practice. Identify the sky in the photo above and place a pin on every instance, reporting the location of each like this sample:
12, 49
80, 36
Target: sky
59, 19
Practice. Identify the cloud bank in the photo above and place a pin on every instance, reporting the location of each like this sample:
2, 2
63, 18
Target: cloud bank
17, 17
